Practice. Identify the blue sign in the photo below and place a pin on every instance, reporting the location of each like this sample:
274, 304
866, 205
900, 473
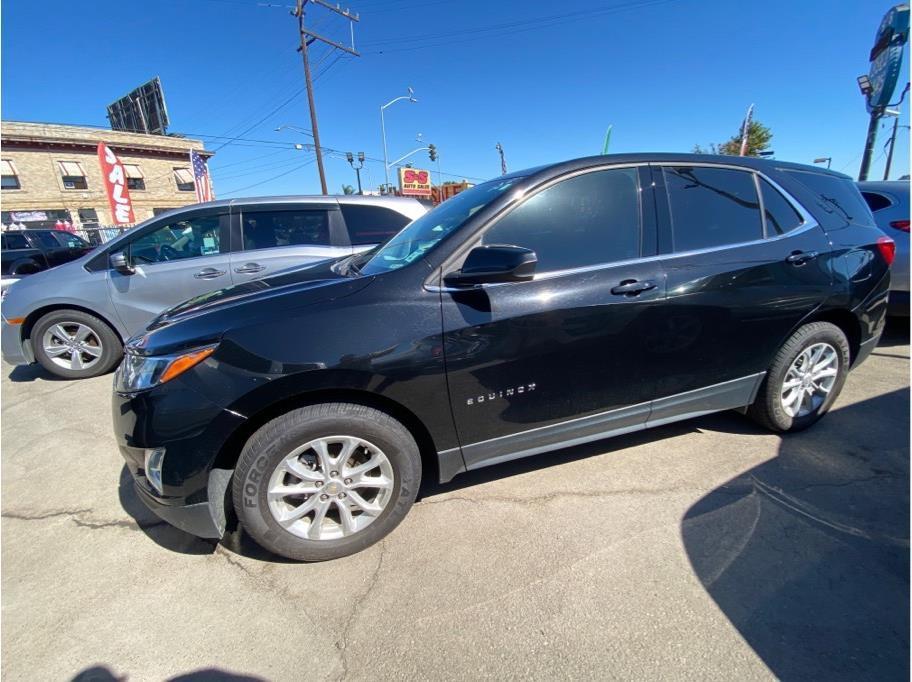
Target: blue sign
886, 56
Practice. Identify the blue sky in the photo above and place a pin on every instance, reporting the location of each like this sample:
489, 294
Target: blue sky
665, 73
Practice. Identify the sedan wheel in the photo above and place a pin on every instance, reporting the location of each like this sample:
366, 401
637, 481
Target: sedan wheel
72, 346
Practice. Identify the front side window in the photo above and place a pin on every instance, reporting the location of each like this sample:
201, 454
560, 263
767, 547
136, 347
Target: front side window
71, 241
780, 215
422, 235
712, 207
271, 229
371, 224
188, 238
587, 220
46, 239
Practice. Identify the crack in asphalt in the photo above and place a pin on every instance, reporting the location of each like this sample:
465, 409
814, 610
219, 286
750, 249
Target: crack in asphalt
75, 515
357, 607
550, 497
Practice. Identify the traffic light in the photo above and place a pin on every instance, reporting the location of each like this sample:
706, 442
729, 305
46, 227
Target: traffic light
432, 152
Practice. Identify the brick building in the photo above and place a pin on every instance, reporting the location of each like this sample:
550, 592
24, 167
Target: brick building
51, 173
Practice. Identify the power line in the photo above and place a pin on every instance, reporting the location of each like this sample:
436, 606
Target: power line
263, 182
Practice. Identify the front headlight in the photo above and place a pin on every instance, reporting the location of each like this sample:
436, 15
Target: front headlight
139, 372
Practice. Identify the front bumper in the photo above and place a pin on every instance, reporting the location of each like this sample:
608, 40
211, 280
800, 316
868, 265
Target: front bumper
14, 350
192, 430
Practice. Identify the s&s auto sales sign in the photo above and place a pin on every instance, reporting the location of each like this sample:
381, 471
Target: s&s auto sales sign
414, 182
115, 186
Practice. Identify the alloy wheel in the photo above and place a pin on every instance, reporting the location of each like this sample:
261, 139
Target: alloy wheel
72, 345
330, 487
809, 379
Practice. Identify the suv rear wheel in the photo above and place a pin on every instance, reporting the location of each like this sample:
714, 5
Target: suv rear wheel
75, 345
326, 481
804, 380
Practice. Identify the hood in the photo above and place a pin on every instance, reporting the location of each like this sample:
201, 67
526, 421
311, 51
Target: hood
206, 318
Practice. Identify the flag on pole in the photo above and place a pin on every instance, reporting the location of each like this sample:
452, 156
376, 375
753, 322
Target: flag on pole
201, 177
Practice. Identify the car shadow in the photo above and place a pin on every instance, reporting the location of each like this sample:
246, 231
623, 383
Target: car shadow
807, 555
27, 373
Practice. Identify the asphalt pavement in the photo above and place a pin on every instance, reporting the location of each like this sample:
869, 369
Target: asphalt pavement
706, 549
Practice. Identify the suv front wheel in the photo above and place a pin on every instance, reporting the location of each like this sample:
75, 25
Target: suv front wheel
804, 380
325, 481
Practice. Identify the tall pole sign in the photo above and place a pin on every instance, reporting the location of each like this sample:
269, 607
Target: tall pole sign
886, 60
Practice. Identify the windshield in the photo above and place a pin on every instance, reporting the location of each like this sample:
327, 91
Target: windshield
422, 235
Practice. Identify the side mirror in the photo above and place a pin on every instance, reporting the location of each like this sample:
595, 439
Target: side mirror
119, 262
492, 264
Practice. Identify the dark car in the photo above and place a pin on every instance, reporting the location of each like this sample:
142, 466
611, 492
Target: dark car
25, 252
549, 307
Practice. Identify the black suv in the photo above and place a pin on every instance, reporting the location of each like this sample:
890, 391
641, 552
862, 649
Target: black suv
549, 307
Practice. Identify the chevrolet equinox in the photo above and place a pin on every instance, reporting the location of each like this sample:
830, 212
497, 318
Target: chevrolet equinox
549, 307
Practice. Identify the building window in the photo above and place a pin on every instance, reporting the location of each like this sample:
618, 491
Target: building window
184, 179
10, 176
73, 175
135, 178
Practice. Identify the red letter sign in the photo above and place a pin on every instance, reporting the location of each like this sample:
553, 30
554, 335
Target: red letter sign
116, 186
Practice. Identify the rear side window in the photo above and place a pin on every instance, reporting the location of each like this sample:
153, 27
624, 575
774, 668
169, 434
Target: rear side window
371, 224
712, 207
875, 201
781, 216
271, 229
15, 241
586, 220
837, 196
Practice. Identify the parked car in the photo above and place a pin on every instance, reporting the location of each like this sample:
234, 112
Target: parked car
73, 319
25, 252
545, 308
889, 202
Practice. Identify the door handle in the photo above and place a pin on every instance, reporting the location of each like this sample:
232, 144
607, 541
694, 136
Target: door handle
801, 257
632, 287
209, 273
250, 268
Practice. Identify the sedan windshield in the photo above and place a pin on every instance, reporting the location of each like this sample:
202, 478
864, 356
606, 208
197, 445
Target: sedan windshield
422, 235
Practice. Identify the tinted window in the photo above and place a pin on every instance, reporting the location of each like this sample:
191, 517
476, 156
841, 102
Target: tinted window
876, 201
371, 224
269, 229
188, 238
838, 196
590, 219
15, 241
712, 207
46, 239
781, 216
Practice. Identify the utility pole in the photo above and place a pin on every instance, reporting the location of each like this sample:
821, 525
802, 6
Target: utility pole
503, 161
305, 42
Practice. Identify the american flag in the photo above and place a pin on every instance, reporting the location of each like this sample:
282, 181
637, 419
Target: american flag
201, 177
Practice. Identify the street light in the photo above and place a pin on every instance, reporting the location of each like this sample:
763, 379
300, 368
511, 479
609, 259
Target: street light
411, 98
351, 161
295, 128
828, 159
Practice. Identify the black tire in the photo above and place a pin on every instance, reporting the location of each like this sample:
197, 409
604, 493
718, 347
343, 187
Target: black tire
110, 345
268, 447
767, 409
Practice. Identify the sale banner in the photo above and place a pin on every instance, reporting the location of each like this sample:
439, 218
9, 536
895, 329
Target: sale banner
115, 179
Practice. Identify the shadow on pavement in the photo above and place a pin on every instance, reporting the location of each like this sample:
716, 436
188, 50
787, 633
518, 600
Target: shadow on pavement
100, 673
27, 373
159, 531
808, 554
